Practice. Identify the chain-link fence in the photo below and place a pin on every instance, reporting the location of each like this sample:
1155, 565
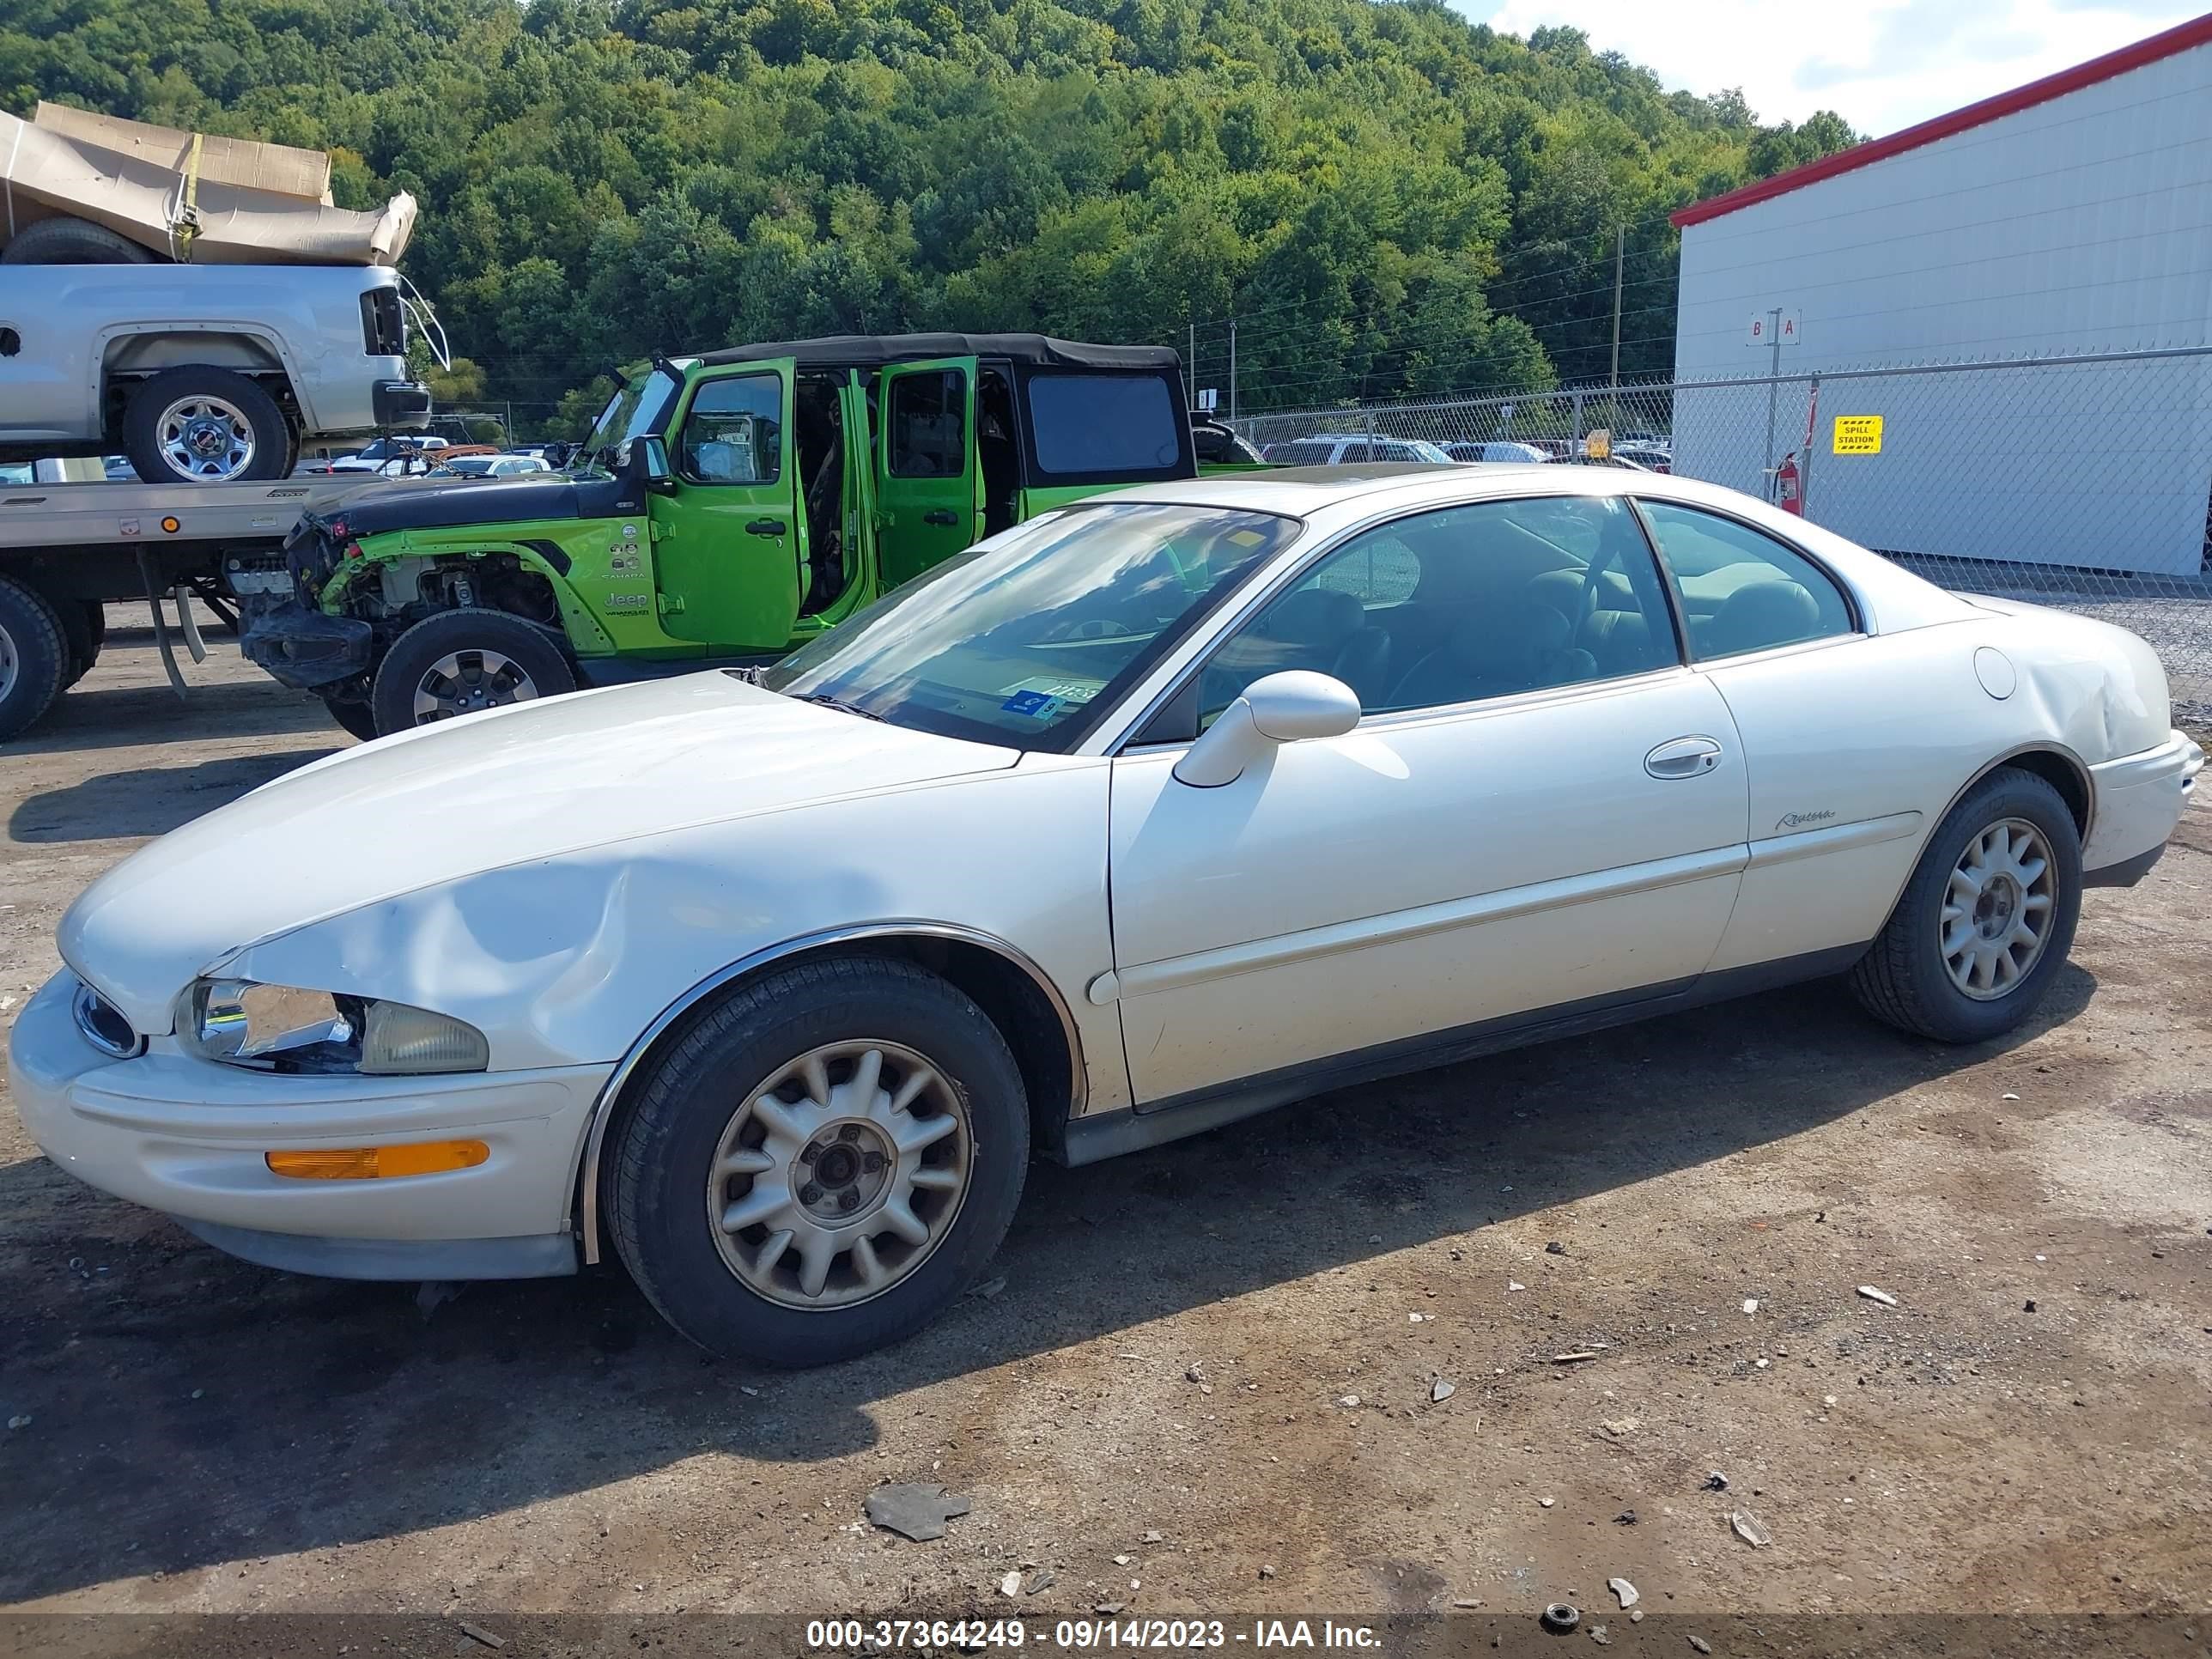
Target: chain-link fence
2084, 482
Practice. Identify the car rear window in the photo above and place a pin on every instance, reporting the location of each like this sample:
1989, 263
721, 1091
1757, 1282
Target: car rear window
1300, 454
1122, 426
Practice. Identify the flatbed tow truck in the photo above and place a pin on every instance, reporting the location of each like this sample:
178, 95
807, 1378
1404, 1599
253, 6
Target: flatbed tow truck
70, 546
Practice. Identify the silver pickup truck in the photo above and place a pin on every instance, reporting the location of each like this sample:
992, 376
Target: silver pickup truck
199, 373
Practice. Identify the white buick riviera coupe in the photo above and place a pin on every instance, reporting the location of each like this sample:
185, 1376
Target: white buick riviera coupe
1139, 817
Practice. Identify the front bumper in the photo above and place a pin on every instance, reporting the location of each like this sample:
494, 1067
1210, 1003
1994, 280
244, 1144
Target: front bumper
304, 648
187, 1138
400, 402
2139, 800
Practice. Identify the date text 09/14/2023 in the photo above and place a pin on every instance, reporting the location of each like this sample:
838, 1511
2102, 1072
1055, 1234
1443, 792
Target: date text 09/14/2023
1082, 1635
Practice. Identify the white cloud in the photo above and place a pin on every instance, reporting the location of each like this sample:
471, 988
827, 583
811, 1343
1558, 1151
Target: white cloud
1881, 64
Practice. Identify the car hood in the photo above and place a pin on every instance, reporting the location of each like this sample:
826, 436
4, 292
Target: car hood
436, 503
520, 785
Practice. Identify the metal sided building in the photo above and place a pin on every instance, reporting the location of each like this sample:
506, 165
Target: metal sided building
2071, 217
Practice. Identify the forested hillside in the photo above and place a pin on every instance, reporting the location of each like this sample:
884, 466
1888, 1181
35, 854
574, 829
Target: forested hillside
1390, 200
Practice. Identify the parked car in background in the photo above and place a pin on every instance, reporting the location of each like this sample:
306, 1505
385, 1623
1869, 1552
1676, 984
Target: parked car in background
1351, 449
1615, 460
1468, 453
767, 987
1657, 458
491, 466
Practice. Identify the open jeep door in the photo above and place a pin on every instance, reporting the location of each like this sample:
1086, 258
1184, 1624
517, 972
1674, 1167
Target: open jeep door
928, 489
729, 541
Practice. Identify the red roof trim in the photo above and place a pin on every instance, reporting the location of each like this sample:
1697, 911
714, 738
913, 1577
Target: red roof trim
2180, 39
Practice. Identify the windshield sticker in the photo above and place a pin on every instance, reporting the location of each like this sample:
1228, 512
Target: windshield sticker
1037, 705
1075, 693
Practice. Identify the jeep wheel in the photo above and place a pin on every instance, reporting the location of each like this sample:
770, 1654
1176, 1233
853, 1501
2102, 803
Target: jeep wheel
34, 657
204, 426
819, 1164
463, 662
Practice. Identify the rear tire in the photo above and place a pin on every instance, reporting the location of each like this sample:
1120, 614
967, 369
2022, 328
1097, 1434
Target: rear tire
1987, 919
461, 662
67, 241
201, 425
35, 656
696, 1149
357, 718
84, 627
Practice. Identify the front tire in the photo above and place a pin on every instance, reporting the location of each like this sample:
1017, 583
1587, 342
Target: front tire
463, 662
819, 1164
199, 425
1986, 920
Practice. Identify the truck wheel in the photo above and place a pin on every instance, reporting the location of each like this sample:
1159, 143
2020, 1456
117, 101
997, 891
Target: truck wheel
1987, 919
358, 718
84, 628
66, 240
198, 425
820, 1163
33, 657
462, 662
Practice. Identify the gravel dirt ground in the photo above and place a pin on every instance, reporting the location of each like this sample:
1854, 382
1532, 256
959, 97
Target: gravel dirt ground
1204, 1379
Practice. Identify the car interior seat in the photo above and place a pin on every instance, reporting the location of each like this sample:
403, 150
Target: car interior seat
1518, 645
1758, 616
1327, 629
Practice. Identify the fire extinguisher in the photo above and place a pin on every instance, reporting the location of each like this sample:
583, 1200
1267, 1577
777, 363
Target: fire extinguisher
1787, 496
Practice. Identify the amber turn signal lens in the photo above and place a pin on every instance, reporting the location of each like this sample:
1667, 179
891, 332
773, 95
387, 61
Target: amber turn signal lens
377, 1162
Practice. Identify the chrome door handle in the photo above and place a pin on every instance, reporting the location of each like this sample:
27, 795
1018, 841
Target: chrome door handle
1683, 757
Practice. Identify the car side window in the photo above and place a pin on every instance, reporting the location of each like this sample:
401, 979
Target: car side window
929, 419
1471, 603
734, 432
1742, 590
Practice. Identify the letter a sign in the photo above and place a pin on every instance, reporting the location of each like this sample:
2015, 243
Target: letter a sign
1770, 328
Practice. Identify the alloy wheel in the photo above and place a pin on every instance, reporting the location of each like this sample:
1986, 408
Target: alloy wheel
1998, 907
469, 682
840, 1175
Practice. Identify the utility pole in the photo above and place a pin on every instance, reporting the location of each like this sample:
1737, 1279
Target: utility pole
1620, 247
1232, 369
1190, 363
1773, 382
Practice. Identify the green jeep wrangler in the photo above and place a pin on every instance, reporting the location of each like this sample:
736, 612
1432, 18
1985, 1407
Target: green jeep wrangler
726, 509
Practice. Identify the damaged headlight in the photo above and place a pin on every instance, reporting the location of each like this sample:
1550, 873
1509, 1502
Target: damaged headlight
281, 1027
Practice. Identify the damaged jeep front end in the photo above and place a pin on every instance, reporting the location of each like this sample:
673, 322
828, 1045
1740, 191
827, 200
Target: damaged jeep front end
290, 636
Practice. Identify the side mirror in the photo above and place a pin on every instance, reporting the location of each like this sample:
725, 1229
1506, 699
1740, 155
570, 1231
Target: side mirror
1285, 707
647, 464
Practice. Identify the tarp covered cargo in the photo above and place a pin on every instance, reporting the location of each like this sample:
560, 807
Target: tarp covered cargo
188, 196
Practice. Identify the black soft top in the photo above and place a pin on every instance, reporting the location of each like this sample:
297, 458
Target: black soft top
1037, 350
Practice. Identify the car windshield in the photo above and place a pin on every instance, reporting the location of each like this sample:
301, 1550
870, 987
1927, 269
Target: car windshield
470, 465
631, 411
1025, 639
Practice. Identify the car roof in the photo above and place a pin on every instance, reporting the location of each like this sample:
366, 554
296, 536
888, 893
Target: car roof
1040, 351
1301, 492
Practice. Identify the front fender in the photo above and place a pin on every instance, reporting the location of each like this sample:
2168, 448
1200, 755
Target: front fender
396, 561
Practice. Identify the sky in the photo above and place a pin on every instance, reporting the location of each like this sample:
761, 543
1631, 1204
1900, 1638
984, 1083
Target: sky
1881, 64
